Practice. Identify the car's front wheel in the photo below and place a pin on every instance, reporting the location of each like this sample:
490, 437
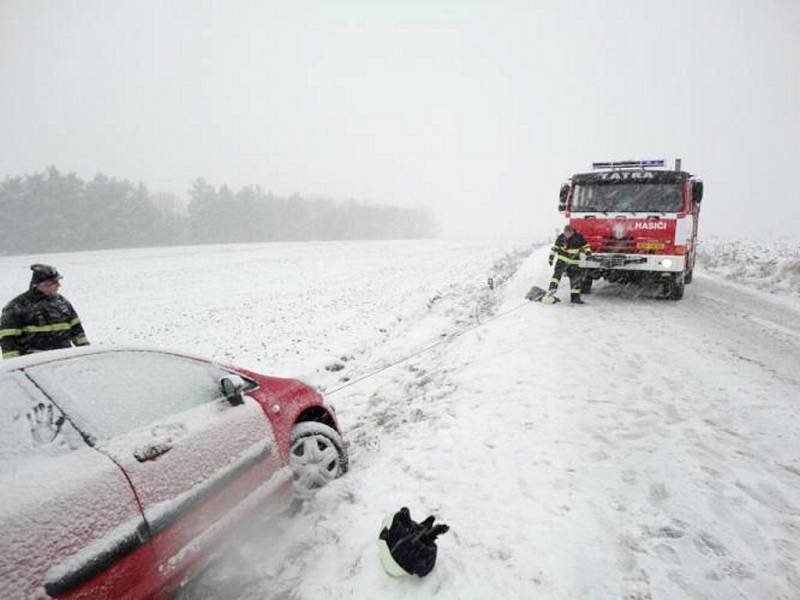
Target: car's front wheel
316, 456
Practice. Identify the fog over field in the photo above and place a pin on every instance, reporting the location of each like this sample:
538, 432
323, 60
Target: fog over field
476, 111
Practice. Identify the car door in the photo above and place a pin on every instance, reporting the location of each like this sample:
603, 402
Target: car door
70, 522
191, 455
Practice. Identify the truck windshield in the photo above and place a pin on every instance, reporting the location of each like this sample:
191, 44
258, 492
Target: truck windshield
627, 197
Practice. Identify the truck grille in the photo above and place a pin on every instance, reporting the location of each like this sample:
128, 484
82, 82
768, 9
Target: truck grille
626, 245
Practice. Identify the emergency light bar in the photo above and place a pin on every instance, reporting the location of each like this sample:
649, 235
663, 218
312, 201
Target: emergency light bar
628, 164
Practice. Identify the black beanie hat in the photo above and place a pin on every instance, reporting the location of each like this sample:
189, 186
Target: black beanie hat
42, 273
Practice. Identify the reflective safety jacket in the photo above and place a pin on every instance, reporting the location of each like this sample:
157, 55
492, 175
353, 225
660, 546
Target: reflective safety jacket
33, 322
568, 249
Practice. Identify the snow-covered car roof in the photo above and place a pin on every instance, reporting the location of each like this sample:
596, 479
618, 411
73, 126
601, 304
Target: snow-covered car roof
40, 358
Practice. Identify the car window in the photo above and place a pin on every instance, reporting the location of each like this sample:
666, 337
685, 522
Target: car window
116, 392
31, 426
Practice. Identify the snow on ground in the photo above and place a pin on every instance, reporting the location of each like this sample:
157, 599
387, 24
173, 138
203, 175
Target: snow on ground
771, 265
289, 308
630, 448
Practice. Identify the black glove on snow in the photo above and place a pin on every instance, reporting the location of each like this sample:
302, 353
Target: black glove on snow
411, 545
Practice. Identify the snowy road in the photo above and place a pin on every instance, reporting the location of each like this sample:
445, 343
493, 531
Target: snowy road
631, 448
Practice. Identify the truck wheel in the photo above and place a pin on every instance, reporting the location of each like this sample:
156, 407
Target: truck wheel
687, 278
673, 287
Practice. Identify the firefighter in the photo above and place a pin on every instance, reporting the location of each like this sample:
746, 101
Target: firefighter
566, 252
41, 318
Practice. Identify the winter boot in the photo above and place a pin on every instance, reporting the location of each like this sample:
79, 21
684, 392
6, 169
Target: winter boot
576, 299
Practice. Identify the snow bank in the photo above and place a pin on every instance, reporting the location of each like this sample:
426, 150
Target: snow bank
770, 265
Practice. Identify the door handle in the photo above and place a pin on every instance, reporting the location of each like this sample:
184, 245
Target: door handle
151, 452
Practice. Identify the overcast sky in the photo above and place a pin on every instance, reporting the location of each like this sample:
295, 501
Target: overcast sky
478, 110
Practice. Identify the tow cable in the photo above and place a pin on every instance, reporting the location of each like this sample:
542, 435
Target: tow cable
445, 338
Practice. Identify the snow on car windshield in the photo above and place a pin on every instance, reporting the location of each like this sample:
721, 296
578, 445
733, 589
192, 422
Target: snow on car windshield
627, 197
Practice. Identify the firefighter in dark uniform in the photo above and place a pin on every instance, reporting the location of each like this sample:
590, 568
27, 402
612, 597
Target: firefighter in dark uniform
566, 252
41, 318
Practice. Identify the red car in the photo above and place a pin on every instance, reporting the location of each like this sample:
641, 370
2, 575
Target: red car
120, 468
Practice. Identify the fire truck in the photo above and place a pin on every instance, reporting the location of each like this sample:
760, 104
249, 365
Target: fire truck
640, 220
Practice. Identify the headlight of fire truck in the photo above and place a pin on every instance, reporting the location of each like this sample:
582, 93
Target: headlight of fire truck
666, 263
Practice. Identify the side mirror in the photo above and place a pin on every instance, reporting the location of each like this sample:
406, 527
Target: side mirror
697, 191
562, 198
232, 389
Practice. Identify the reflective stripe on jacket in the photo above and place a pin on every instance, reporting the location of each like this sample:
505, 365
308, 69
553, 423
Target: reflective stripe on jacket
568, 249
33, 322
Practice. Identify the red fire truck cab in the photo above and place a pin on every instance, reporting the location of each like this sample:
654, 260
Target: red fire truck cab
640, 220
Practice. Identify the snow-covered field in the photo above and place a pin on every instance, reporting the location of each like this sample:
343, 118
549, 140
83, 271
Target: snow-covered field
770, 265
290, 308
631, 448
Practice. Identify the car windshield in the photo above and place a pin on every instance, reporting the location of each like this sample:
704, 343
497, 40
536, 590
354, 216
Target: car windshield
627, 197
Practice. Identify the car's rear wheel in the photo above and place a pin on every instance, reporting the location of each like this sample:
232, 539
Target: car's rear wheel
316, 456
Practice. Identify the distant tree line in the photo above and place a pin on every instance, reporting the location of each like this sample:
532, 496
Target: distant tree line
56, 212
